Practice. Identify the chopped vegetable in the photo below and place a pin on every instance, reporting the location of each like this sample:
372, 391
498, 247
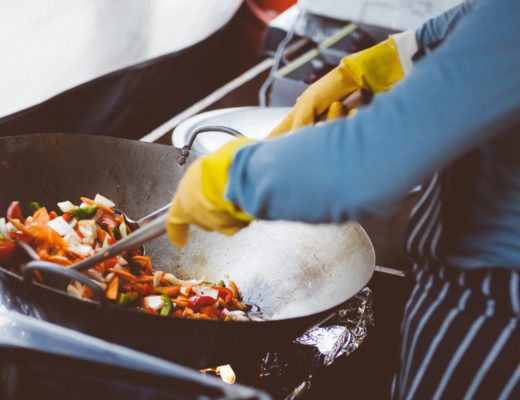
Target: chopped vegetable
34, 206
15, 211
84, 212
113, 289
168, 306
125, 299
196, 302
129, 279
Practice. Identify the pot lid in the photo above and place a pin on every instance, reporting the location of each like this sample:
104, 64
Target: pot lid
253, 122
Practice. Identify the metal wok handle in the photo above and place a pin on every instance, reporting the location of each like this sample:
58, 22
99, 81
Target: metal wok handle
137, 238
185, 151
67, 272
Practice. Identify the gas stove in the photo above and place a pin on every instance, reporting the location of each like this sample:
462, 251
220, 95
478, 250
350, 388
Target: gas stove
37, 357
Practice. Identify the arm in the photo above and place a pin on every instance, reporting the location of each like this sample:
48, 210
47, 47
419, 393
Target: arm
437, 29
457, 97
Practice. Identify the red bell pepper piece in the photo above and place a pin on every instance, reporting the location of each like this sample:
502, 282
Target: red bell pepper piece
7, 250
151, 311
196, 302
106, 223
52, 215
222, 291
111, 262
15, 211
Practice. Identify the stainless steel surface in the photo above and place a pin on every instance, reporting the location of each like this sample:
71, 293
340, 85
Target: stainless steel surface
287, 269
253, 122
133, 224
49, 46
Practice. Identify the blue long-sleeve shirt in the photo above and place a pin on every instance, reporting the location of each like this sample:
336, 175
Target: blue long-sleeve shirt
462, 98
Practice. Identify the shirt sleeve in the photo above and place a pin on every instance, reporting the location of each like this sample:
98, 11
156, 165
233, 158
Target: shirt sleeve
458, 96
437, 29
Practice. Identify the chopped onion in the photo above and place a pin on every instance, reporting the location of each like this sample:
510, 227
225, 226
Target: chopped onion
205, 291
73, 291
157, 275
236, 315
3, 228
109, 277
82, 249
121, 261
103, 200
66, 206
95, 274
88, 229
60, 226
72, 238
154, 302
122, 229
176, 281
10, 227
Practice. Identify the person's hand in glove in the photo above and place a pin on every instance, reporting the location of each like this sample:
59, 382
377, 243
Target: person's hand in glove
376, 69
200, 197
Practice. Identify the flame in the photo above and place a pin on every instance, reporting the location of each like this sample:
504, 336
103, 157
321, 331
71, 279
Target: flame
225, 372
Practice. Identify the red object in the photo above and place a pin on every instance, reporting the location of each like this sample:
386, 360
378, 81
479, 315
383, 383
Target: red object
67, 216
196, 302
212, 312
7, 250
223, 292
52, 215
253, 19
151, 311
106, 222
111, 262
147, 290
15, 211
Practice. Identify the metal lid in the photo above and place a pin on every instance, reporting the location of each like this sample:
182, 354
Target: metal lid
253, 122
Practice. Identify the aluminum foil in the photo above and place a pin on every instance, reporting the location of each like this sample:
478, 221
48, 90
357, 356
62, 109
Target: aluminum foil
287, 374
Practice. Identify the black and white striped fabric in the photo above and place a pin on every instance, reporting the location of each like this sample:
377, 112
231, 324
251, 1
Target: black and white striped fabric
460, 334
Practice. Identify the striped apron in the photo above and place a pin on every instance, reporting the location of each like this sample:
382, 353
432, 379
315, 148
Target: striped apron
459, 336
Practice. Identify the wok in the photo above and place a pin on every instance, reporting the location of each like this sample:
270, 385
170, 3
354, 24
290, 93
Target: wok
296, 274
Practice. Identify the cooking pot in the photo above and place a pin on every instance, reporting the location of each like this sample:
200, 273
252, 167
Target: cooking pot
297, 274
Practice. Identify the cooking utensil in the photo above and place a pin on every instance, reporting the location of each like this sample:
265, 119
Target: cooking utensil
296, 273
136, 224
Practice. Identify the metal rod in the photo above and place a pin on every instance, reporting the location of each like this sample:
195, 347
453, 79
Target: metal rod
137, 238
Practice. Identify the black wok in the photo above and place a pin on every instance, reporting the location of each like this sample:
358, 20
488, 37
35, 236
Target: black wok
297, 274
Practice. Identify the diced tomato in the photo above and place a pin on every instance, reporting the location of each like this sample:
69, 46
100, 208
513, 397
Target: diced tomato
212, 312
67, 216
222, 291
52, 215
7, 250
147, 290
15, 211
111, 241
196, 302
111, 262
151, 311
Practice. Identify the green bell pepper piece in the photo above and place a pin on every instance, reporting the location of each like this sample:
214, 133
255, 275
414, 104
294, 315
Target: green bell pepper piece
125, 299
84, 212
168, 307
34, 206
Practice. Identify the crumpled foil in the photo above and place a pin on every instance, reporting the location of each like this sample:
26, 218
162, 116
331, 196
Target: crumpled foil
345, 332
287, 373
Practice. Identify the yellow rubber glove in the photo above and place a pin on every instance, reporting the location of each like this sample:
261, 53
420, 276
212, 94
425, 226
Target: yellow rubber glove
375, 69
200, 200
